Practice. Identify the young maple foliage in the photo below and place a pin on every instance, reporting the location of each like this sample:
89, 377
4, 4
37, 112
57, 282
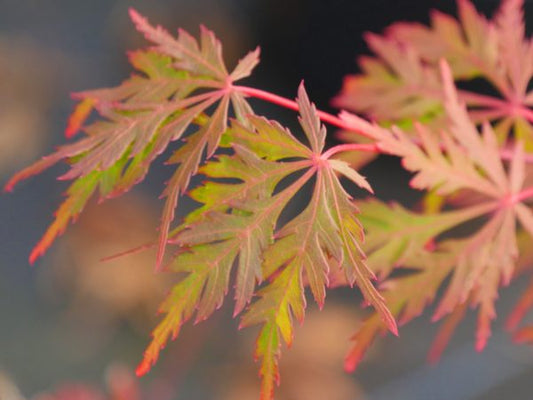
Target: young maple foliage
401, 84
460, 158
181, 80
240, 222
467, 150
408, 83
184, 83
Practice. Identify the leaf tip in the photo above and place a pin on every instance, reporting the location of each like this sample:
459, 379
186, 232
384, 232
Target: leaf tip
79, 116
143, 368
135, 16
368, 188
239, 306
20, 176
8, 187
352, 360
393, 326
481, 343
35, 254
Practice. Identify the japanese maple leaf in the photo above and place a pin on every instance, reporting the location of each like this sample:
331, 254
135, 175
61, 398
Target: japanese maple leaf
459, 158
405, 299
478, 264
181, 80
239, 223
401, 83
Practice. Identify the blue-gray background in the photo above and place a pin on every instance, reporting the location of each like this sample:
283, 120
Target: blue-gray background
50, 48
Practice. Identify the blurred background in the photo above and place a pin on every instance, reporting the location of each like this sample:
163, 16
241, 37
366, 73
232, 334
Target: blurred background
72, 327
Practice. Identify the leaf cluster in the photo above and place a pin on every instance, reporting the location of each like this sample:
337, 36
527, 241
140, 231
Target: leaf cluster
468, 152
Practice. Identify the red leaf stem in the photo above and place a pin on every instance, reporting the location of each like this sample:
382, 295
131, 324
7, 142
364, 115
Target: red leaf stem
292, 105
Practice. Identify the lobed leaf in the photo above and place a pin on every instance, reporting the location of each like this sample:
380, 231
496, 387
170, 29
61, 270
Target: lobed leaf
400, 83
239, 225
458, 158
181, 80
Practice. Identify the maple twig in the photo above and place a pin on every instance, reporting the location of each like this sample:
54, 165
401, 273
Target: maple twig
292, 105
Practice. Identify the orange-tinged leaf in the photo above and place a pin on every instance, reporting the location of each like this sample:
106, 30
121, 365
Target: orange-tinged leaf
268, 349
77, 196
485, 297
489, 253
458, 158
79, 115
516, 51
48, 161
394, 87
525, 216
362, 340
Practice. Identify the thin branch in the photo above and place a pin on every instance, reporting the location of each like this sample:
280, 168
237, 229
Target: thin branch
292, 105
